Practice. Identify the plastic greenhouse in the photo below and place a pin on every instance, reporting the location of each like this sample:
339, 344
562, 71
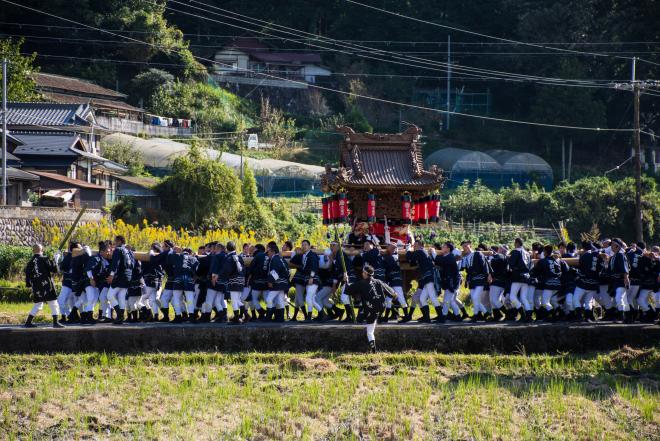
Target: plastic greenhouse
495, 168
274, 177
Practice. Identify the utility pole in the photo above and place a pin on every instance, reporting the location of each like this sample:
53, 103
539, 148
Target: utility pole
448, 78
639, 226
4, 131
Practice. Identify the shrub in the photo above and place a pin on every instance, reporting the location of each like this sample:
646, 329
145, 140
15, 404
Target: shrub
13, 260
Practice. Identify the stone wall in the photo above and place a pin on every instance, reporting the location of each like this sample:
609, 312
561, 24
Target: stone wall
508, 338
16, 222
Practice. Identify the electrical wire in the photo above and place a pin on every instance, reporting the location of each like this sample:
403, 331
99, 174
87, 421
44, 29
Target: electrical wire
284, 29
381, 100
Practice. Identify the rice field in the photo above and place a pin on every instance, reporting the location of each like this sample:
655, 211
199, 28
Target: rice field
314, 396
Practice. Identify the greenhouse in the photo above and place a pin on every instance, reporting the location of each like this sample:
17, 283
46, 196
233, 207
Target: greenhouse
523, 168
461, 164
495, 168
274, 177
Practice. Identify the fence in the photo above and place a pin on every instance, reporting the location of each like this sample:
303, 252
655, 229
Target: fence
139, 128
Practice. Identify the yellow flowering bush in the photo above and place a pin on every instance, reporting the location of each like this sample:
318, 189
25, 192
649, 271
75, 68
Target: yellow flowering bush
141, 236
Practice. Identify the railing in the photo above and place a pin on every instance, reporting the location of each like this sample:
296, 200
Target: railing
139, 128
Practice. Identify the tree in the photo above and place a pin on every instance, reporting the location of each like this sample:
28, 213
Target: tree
20, 84
201, 191
211, 108
125, 154
275, 127
253, 215
145, 84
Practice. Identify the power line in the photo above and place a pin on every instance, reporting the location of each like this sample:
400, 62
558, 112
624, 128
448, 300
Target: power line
443, 66
340, 74
388, 42
220, 46
381, 100
478, 34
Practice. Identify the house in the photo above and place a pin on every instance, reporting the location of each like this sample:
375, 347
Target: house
18, 181
67, 154
79, 119
68, 90
111, 111
59, 190
242, 61
141, 189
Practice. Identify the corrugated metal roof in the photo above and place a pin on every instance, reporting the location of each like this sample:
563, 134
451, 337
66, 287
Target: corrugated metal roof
141, 181
286, 57
70, 84
76, 183
15, 174
98, 103
47, 114
47, 144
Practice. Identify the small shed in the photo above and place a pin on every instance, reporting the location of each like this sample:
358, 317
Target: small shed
141, 189
86, 193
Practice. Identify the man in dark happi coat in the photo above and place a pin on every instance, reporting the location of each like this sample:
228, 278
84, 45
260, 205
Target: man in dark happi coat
39, 276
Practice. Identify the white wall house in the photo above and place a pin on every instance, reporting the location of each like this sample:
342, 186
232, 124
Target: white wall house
245, 60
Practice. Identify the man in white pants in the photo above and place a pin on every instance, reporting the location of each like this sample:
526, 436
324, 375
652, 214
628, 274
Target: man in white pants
65, 299
96, 271
152, 273
618, 269
394, 280
372, 292
306, 280
215, 294
39, 276
590, 267
121, 272
520, 263
478, 275
232, 273
278, 284
425, 280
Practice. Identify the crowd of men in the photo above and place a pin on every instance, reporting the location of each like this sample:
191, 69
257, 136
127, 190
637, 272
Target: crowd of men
610, 282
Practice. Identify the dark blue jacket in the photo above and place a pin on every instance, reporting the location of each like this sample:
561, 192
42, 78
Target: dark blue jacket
99, 269
308, 268
217, 261
374, 259
78, 275
232, 272
121, 266
152, 272
618, 267
338, 269
476, 268
185, 267
519, 265
161, 259
450, 277
65, 269
549, 271
278, 273
634, 262
424, 265
258, 272
392, 271
590, 267
135, 288
500, 270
